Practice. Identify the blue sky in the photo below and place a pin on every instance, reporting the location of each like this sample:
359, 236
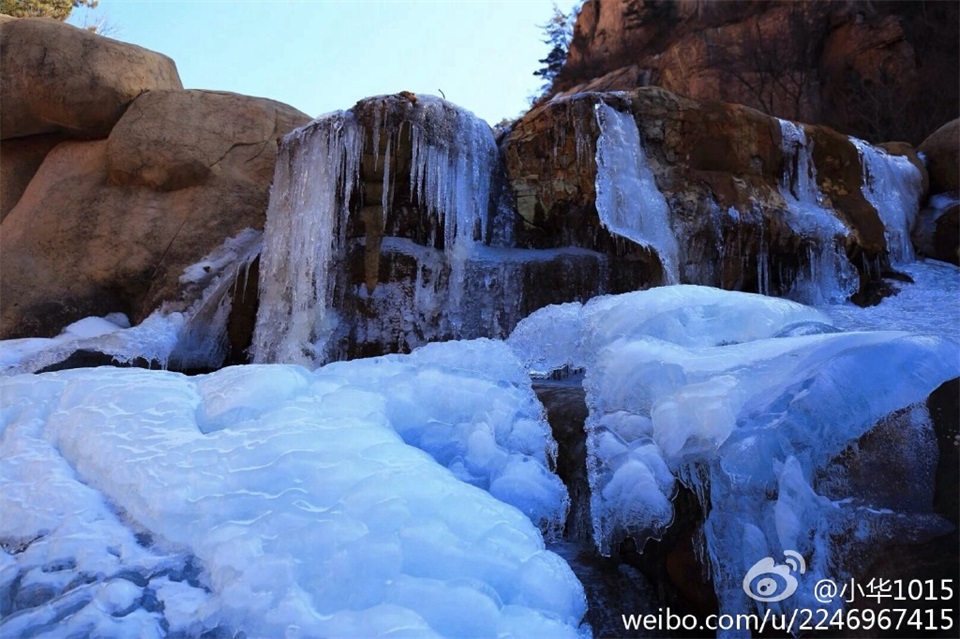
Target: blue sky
323, 55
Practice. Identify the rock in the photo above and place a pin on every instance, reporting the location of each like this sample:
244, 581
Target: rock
942, 150
937, 232
720, 168
19, 160
62, 79
169, 140
99, 229
871, 69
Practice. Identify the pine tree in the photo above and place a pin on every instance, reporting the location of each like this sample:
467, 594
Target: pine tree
558, 32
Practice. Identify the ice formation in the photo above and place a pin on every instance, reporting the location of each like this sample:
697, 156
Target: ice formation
734, 395
453, 156
487, 426
153, 340
628, 201
273, 501
213, 282
828, 275
892, 184
316, 172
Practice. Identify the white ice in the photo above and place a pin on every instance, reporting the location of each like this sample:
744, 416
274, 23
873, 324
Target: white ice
154, 340
279, 502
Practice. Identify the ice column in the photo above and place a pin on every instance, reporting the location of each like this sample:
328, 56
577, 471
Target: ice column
304, 233
628, 201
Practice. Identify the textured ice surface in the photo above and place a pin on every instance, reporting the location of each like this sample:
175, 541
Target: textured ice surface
628, 201
929, 306
471, 407
277, 502
740, 397
452, 163
828, 275
892, 184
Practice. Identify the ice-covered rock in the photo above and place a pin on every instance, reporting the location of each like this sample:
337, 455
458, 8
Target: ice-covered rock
744, 399
628, 201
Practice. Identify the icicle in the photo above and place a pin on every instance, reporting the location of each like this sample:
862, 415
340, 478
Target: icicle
628, 201
377, 118
385, 199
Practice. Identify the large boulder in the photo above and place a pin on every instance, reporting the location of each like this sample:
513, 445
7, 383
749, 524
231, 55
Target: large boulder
942, 150
58, 78
109, 225
171, 140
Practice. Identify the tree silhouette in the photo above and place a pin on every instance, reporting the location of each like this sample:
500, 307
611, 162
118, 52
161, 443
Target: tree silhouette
558, 32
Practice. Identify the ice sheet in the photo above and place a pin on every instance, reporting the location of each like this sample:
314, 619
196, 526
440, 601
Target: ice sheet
292, 494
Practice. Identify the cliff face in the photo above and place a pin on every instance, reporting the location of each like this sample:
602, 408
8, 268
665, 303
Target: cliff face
877, 70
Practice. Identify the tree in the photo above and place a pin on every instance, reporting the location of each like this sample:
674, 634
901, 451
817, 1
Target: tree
57, 9
558, 32
778, 69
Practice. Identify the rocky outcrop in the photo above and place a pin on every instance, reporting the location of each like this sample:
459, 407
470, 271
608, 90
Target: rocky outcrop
870, 69
61, 79
110, 225
428, 231
721, 169
937, 233
942, 150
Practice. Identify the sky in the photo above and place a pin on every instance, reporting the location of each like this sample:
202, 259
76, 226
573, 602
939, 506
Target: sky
324, 55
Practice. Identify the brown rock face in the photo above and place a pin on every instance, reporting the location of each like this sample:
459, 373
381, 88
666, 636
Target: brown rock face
169, 140
61, 79
105, 226
871, 69
942, 149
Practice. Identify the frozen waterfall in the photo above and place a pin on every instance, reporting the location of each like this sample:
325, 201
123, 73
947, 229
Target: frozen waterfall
828, 276
628, 201
319, 183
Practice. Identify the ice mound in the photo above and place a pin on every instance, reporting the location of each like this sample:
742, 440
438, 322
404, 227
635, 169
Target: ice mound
277, 502
569, 335
486, 424
742, 398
